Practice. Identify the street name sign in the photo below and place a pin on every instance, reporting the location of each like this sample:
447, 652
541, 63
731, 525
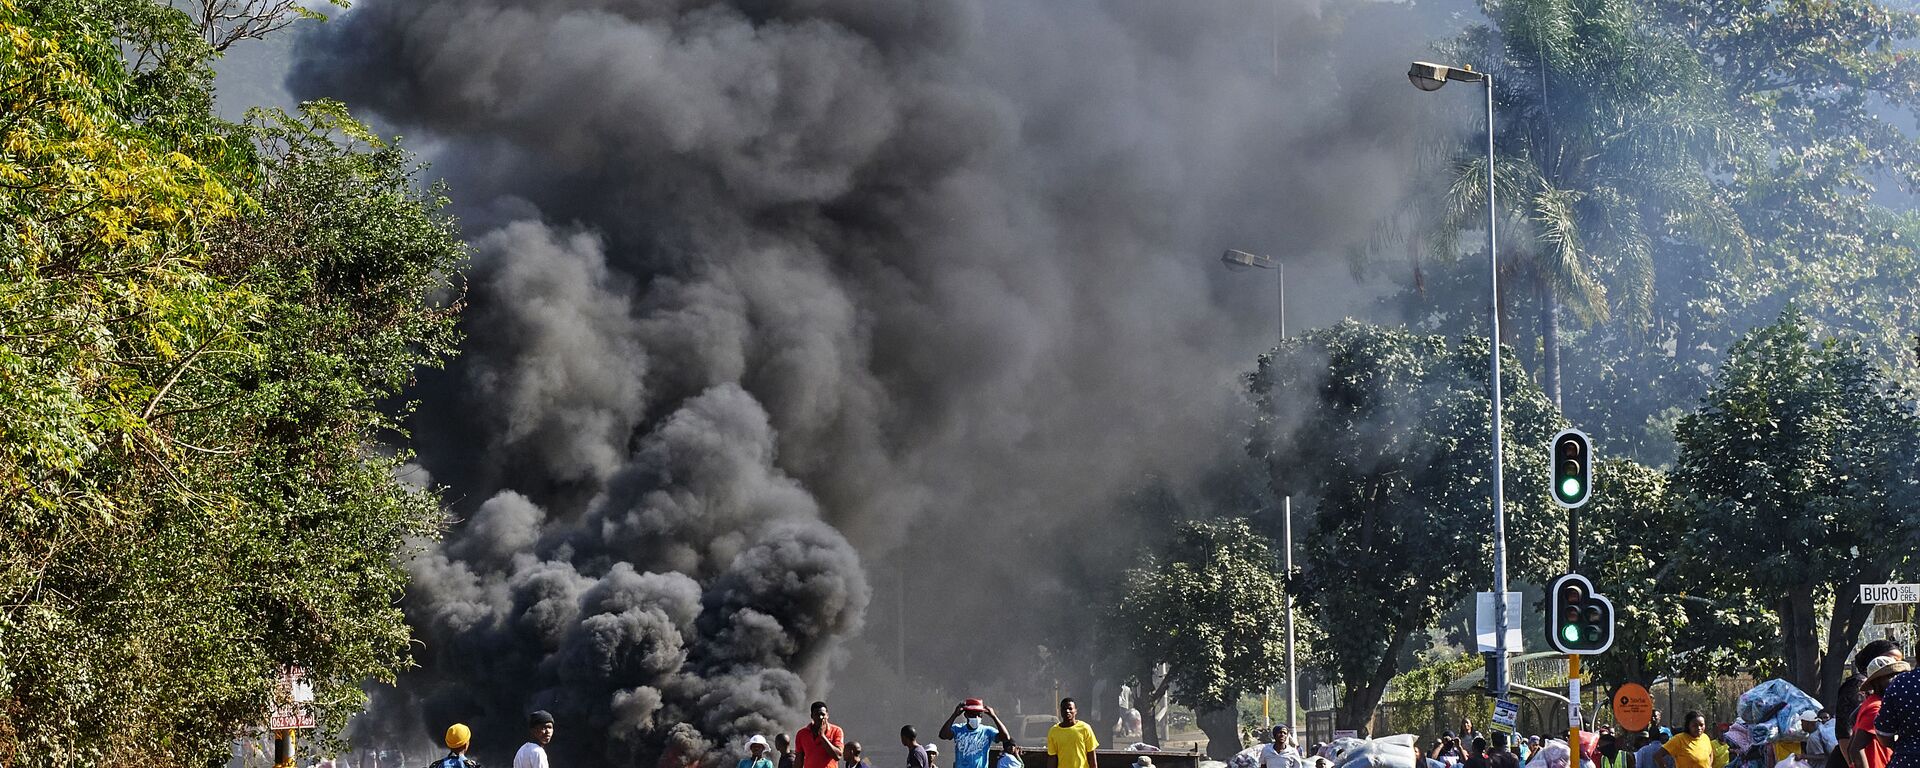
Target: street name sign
1885, 594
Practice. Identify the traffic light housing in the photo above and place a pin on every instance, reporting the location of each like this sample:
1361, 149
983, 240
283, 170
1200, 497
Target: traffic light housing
1579, 619
1572, 468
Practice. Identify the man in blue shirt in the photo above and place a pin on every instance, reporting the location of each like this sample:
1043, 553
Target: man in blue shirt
973, 741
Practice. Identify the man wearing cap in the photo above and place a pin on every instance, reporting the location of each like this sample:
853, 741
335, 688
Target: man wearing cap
458, 737
1820, 737
1280, 753
756, 753
533, 754
973, 741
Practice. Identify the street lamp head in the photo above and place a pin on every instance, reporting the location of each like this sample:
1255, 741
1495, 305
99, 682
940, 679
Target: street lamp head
1428, 76
1239, 260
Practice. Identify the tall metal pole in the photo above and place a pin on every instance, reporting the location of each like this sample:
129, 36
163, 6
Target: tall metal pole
1286, 543
1493, 382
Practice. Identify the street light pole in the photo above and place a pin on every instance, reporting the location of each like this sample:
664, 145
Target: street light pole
1242, 260
1430, 77
1286, 544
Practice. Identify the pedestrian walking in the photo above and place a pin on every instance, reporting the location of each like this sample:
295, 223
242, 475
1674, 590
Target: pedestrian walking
1651, 745
1501, 755
783, 748
1071, 741
973, 740
1691, 749
1899, 720
458, 737
1610, 753
533, 754
1864, 748
756, 753
916, 754
1280, 753
820, 744
1847, 700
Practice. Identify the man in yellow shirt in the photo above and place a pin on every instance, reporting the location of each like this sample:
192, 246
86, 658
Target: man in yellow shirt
1692, 749
1071, 741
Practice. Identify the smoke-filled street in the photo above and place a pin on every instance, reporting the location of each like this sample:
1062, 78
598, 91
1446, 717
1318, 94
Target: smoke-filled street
711, 383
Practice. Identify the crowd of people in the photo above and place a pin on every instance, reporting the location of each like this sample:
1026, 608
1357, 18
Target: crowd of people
973, 727
1875, 723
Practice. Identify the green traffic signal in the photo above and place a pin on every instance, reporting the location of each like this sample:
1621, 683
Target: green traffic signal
1572, 468
1580, 619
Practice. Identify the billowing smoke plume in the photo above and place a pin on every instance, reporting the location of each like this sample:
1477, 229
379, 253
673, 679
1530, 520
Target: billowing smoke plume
763, 284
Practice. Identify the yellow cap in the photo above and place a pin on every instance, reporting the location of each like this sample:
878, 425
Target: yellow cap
458, 735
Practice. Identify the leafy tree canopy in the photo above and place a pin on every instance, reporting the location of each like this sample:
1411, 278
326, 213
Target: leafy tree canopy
1802, 465
198, 324
1385, 435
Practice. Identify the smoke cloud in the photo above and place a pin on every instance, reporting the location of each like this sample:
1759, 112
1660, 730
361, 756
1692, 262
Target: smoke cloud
769, 295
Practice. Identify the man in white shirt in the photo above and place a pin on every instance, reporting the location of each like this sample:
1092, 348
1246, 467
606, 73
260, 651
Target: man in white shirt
533, 754
1280, 753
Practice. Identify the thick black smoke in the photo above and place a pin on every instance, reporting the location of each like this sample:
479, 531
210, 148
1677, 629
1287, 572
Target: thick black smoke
763, 284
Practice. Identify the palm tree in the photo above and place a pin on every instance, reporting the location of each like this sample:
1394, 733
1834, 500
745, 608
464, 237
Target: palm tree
1609, 131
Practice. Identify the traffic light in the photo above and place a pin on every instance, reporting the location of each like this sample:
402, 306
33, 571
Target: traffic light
1579, 620
1572, 468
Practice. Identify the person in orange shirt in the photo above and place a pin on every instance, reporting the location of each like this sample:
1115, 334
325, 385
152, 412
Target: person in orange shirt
820, 744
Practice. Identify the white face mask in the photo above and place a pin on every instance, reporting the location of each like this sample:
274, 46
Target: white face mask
973, 722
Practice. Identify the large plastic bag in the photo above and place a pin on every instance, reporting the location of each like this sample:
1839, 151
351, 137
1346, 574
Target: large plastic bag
1395, 751
1773, 708
1552, 754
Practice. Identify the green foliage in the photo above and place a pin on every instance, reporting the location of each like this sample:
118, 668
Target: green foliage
1207, 605
1424, 682
1385, 434
1801, 464
200, 322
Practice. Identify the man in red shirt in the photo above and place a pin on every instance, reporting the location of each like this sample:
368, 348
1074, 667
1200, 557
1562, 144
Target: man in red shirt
818, 745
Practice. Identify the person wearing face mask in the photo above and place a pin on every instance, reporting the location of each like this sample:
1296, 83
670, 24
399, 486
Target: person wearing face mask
973, 740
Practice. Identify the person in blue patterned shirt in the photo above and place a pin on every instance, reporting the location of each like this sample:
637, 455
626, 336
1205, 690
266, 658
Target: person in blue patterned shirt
1898, 724
974, 740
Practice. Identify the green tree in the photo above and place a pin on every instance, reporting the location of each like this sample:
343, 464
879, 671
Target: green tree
1383, 435
1206, 604
1607, 132
199, 322
1802, 464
